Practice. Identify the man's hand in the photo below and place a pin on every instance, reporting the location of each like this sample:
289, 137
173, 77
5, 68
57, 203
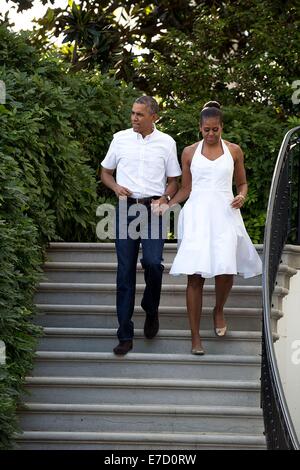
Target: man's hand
108, 179
121, 192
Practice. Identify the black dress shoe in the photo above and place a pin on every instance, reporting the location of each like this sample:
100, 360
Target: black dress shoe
151, 326
123, 348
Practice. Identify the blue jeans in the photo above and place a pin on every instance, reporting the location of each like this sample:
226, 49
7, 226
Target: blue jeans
127, 249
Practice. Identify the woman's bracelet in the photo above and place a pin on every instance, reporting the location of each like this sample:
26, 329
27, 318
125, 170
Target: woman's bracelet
241, 195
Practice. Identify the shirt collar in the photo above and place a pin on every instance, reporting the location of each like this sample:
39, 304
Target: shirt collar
139, 136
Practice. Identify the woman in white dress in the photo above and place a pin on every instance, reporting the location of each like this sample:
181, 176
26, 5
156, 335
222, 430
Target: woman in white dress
213, 241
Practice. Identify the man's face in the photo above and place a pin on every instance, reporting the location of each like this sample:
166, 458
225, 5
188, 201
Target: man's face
211, 130
141, 119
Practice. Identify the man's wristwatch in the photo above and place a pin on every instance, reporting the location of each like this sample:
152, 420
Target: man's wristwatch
168, 198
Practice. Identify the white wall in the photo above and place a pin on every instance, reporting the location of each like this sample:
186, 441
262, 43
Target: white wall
287, 349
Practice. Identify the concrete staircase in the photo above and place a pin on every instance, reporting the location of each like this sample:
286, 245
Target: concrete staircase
159, 396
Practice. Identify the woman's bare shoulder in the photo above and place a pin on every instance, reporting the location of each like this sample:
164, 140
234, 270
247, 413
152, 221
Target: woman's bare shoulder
235, 149
188, 152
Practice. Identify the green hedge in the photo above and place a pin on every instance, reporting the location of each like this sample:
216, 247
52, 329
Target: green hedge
54, 130
20, 260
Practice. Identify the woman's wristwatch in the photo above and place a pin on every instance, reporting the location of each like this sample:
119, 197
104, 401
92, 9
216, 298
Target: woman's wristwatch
168, 198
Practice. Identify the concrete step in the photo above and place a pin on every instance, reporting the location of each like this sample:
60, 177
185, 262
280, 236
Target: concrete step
137, 365
101, 252
171, 295
140, 418
166, 341
39, 440
95, 252
105, 316
82, 272
88, 390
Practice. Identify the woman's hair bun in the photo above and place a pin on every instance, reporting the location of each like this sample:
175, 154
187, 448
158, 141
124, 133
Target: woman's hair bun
212, 104
211, 109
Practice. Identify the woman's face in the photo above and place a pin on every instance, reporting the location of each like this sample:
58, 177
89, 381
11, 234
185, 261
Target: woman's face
211, 130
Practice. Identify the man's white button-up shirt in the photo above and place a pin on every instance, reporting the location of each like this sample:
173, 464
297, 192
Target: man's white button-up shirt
142, 164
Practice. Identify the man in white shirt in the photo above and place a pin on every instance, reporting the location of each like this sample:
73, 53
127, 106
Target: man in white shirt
147, 168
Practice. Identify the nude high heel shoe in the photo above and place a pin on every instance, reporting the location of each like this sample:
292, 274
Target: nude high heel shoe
198, 351
219, 331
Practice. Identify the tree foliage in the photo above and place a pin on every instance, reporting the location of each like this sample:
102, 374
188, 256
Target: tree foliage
237, 52
114, 33
20, 259
27, 4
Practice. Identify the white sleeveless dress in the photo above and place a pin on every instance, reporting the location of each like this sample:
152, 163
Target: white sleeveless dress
212, 238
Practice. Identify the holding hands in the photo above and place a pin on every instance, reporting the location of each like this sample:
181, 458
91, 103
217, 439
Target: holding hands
159, 206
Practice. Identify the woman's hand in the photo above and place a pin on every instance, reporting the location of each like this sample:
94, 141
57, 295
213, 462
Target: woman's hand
238, 201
